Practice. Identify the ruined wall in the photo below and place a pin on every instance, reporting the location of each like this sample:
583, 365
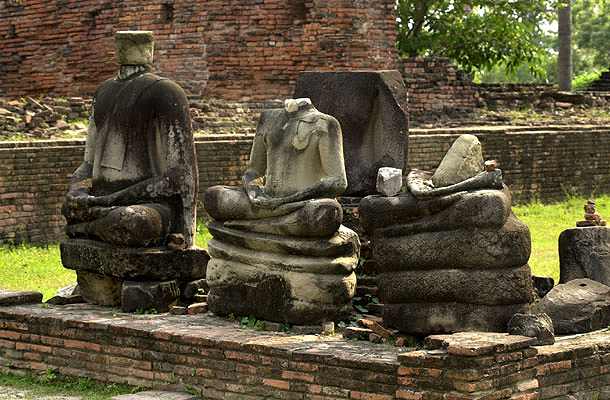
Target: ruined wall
220, 360
437, 87
231, 49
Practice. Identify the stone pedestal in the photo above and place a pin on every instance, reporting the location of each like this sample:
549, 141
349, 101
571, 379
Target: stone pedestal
468, 278
302, 281
103, 270
585, 253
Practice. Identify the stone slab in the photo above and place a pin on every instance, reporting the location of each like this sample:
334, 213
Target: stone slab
508, 246
139, 263
372, 110
426, 318
156, 395
148, 295
8, 297
585, 253
485, 287
578, 306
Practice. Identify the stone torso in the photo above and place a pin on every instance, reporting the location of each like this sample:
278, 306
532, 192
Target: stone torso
292, 149
128, 142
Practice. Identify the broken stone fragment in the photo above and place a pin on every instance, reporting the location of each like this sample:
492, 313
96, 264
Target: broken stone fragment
539, 326
389, 181
134, 47
579, 306
99, 289
149, 295
463, 160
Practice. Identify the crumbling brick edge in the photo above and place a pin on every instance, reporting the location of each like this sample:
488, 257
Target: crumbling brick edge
218, 359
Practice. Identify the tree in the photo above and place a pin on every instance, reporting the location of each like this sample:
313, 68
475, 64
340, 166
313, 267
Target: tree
564, 61
591, 35
475, 34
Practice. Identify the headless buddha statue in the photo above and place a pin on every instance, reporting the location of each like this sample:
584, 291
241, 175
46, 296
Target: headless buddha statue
296, 169
138, 182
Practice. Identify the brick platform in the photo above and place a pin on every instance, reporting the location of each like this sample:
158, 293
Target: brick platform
220, 360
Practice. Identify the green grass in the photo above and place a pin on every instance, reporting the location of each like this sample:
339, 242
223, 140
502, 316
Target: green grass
39, 269
48, 383
547, 221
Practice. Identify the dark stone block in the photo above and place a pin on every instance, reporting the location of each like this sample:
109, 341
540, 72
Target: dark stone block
428, 318
99, 289
157, 263
189, 290
485, 287
585, 253
159, 296
372, 110
578, 306
542, 285
13, 297
539, 326
465, 248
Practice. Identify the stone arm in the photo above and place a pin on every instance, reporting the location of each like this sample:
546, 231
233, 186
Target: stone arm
253, 180
81, 181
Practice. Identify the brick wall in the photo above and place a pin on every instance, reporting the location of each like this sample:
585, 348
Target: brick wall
218, 359
536, 164
436, 87
232, 49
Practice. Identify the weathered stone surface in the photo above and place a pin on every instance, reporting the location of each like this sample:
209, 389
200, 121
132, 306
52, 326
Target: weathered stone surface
465, 248
404, 214
277, 293
463, 160
156, 395
129, 263
585, 253
372, 110
10, 297
389, 181
539, 326
99, 289
542, 285
428, 318
134, 47
67, 295
580, 305
344, 241
148, 295
485, 287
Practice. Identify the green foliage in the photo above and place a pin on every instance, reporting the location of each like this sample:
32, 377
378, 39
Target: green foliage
584, 80
145, 312
591, 31
248, 322
475, 34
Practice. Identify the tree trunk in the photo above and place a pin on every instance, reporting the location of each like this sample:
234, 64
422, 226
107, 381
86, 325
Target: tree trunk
564, 62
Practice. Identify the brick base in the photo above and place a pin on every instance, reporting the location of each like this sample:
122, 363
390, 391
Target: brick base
222, 361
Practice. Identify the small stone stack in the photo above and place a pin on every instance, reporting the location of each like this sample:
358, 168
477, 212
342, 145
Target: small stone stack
592, 218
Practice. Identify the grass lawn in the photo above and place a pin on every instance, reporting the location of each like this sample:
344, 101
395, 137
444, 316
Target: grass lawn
40, 269
546, 222
48, 384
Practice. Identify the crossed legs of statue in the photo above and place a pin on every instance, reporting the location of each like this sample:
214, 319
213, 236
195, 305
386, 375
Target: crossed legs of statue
308, 218
138, 225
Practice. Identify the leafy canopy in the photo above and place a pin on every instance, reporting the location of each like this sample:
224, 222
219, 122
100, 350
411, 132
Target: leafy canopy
475, 34
591, 21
